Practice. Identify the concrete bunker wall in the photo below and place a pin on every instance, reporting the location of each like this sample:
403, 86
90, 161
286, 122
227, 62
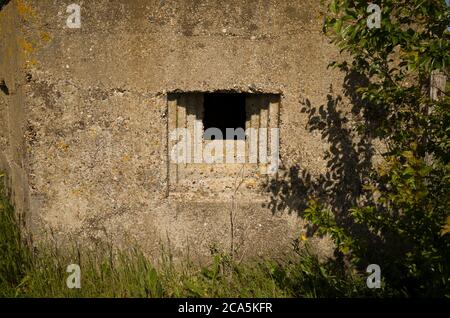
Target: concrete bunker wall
97, 103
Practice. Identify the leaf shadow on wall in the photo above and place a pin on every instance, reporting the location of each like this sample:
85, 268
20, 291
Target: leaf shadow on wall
349, 159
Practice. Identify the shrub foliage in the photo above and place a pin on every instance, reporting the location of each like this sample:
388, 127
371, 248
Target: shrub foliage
401, 219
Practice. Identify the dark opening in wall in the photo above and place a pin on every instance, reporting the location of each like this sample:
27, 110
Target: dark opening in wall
224, 110
4, 88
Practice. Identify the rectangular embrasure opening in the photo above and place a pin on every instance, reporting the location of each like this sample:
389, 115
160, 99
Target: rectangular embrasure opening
223, 114
197, 158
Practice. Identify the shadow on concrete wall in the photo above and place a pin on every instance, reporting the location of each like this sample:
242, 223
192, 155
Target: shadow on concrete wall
3, 3
349, 160
3, 87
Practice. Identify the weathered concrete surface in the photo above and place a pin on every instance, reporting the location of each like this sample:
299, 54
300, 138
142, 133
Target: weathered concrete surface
13, 152
85, 122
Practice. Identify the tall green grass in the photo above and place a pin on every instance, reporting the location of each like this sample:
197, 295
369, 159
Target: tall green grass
107, 272
14, 255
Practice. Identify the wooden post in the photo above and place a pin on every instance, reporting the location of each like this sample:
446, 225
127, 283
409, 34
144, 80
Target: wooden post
438, 81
